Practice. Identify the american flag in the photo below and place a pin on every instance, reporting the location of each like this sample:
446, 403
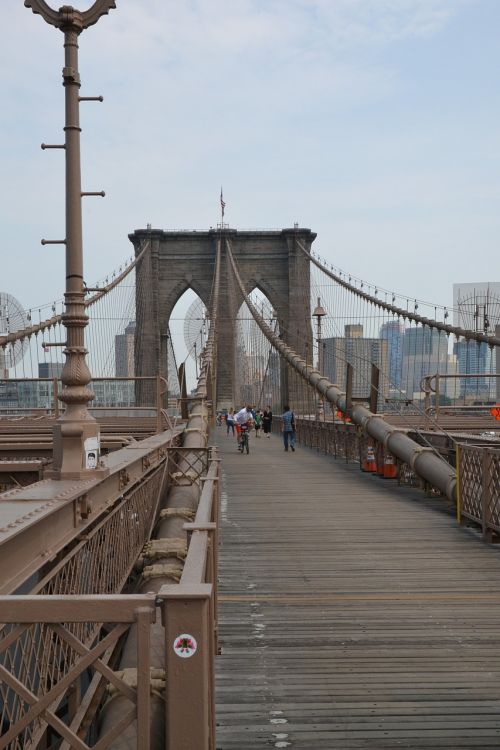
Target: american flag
222, 203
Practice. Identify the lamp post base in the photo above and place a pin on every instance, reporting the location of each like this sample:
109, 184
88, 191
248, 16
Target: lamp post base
76, 451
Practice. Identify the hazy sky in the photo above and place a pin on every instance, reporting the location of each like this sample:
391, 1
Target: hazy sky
373, 122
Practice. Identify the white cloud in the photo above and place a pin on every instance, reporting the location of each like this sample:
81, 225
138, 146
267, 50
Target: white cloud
262, 95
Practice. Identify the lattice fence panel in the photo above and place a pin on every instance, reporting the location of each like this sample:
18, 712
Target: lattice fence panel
471, 471
188, 465
40, 664
100, 564
492, 480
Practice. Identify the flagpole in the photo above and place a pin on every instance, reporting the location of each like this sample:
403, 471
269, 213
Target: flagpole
222, 206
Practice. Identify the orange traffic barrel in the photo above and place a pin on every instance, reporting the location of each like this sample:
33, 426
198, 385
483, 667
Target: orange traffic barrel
370, 464
390, 466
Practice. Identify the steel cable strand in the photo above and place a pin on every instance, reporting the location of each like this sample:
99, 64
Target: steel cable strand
425, 462
405, 314
54, 319
208, 353
408, 375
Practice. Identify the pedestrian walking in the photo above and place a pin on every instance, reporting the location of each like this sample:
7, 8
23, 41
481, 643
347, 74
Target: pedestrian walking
230, 421
267, 421
258, 423
288, 428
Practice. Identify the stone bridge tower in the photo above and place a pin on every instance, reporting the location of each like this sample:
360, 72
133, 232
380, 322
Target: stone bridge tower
177, 261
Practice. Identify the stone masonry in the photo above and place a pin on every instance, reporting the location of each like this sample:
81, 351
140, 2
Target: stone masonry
177, 261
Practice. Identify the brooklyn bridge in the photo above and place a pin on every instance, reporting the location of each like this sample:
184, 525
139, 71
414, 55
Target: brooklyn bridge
160, 588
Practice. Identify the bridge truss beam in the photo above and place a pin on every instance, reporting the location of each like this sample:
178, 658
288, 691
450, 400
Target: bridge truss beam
43, 519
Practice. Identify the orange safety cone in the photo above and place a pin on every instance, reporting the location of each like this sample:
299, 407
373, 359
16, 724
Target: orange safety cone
390, 467
370, 463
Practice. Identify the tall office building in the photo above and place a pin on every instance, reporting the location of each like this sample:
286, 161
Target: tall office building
359, 352
425, 352
50, 369
393, 332
124, 352
472, 358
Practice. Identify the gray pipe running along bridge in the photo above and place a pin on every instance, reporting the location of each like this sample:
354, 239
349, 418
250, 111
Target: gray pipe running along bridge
158, 589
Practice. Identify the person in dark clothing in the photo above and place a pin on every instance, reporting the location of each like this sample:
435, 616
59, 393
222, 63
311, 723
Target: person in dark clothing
267, 421
230, 421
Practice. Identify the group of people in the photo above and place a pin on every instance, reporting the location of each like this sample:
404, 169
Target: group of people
251, 418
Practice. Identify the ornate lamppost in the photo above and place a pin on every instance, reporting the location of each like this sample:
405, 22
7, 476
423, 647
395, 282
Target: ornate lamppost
319, 312
76, 434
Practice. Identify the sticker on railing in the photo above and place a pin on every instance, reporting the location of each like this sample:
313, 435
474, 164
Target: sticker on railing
185, 645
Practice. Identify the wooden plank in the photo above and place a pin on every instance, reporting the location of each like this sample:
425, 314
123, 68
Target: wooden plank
352, 613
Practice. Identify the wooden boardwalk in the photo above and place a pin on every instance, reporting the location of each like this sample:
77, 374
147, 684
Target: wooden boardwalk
353, 613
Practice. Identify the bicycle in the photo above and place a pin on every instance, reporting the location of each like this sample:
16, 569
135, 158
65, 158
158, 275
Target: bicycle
244, 440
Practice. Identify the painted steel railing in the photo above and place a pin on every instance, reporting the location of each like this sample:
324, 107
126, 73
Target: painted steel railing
59, 704
189, 611
479, 487
58, 649
124, 396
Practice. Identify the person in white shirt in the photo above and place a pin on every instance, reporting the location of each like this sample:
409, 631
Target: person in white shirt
243, 417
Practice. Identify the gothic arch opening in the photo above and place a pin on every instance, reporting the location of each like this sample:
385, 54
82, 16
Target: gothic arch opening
257, 364
188, 324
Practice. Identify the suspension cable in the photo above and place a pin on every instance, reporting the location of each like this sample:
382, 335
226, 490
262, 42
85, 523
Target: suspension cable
399, 311
426, 462
55, 319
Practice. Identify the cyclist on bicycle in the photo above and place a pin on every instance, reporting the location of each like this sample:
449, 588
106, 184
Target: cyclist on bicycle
244, 418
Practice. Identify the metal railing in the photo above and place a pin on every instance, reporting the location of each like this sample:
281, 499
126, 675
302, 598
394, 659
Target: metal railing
437, 401
141, 396
58, 648
478, 469
190, 620
44, 702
